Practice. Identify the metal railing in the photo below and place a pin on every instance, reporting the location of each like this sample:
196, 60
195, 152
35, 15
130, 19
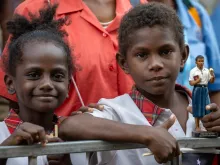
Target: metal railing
187, 145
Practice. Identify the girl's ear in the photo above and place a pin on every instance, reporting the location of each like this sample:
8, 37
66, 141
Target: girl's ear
185, 55
122, 62
9, 82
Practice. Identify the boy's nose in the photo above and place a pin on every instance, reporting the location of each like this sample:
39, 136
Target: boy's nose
155, 63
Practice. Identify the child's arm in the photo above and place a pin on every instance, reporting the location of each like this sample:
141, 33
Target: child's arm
194, 82
26, 133
87, 127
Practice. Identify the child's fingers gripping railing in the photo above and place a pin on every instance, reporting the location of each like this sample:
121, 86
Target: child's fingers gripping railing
189, 145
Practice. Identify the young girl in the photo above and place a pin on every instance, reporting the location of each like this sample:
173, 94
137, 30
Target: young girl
38, 70
152, 51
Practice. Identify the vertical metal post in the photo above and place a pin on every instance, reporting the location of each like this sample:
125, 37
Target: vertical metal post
175, 161
32, 160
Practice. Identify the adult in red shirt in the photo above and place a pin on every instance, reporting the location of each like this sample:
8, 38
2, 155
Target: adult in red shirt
93, 37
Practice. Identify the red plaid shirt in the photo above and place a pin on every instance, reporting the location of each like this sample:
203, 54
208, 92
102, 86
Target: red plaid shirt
13, 120
148, 108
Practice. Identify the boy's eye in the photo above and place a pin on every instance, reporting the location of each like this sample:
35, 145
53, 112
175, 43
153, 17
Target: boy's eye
141, 55
33, 75
58, 77
166, 52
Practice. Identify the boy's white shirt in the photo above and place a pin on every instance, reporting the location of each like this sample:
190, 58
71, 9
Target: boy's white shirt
41, 160
124, 110
204, 74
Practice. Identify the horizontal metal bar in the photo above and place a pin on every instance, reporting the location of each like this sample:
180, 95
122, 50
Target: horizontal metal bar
64, 147
206, 150
91, 146
199, 142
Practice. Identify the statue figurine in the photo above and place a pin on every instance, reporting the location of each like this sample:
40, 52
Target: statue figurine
199, 79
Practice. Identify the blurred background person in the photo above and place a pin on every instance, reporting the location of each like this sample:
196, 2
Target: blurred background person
201, 39
7, 8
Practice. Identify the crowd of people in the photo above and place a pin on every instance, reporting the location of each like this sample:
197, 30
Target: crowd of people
125, 62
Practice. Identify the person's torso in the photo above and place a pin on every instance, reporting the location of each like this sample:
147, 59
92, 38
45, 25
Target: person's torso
128, 112
202, 74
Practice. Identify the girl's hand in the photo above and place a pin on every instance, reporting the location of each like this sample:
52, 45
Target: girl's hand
26, 133
211, 121
88, 108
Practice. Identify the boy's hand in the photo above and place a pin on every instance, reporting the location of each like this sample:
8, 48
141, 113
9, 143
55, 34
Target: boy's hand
88, 108
62, 159
211, 121
198, 80
26, 133
211, 71
189, 109
162, 144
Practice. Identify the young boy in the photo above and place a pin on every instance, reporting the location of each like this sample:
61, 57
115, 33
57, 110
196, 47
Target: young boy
152, 51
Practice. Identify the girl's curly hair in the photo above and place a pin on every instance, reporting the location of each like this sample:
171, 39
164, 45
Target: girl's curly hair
42, 28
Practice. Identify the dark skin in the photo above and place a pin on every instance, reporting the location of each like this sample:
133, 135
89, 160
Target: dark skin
91, 129
153, 68
103, 10
44, 95
156, 68
41, 82
211, 121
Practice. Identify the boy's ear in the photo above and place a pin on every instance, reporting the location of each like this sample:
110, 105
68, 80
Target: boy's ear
9, 84
122, 62
185, 55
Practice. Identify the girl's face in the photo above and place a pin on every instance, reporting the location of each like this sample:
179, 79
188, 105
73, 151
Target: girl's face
154, 60
41, 81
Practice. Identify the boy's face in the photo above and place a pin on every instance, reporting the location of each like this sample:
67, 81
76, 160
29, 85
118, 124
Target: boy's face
41, 81
200, 63
153, 59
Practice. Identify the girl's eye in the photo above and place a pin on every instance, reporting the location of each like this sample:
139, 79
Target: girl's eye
33, 76
141, 55
166, 52
58, 77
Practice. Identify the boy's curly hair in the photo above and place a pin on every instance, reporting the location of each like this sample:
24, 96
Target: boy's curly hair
149, 15
42, 28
